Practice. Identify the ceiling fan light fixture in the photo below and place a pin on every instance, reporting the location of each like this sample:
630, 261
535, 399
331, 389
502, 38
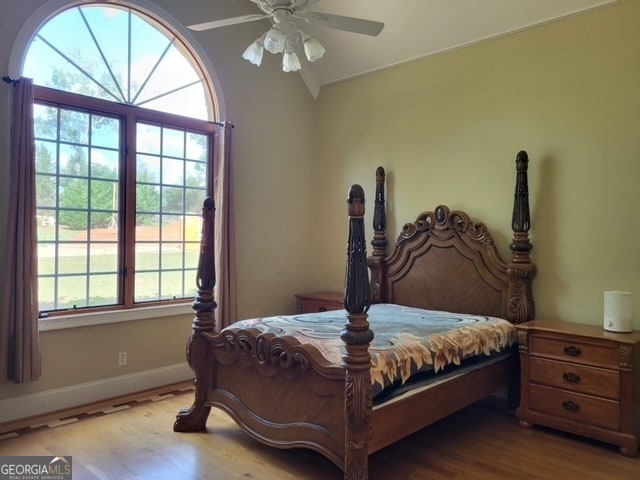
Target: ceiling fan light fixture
254, 52
274, 41
313, 49
285, 37
290, 61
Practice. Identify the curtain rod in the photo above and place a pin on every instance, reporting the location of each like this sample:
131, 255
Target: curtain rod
14, 82
8, 79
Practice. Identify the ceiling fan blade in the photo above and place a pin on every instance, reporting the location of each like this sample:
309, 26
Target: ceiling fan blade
348, 24
227, 21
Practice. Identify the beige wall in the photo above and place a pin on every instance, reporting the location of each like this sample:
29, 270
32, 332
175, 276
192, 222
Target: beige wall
447, 130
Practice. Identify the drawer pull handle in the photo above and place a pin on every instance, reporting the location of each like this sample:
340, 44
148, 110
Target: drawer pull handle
571, 406
572, 351
571, 377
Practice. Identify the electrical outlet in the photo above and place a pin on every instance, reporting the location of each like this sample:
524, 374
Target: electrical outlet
122, 359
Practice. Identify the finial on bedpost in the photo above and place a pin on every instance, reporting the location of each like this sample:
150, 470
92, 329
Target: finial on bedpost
357, 335
522, 270
521, 220
204, 304
379, 241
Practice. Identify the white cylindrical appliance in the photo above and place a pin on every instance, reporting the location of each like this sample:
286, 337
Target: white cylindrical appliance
618, 311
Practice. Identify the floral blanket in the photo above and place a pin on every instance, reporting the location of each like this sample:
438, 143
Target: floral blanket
407, 340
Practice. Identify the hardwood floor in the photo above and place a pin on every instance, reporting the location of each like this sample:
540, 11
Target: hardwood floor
479, 442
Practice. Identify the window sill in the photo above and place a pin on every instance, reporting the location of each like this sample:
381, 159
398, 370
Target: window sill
117, 316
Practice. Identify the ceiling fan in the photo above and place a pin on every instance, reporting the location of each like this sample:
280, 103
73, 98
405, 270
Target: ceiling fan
285, 37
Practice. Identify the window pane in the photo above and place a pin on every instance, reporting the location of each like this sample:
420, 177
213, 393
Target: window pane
194, 200
46, 258
103, 258
74, 160
148, 138
74, 194
104, 196
110, 28
172, 172
171, 285
72, 291
172, 142
105, 163
193, 229
148, 169
45, 125
105, 131
171, 228
147, 287
147, 200
172, 201
190, 288
74, 126
147, 256
72, 258
149, 232
196, 146
171, 255
196, 174
46, 190
103, 290
46, 292
45, 157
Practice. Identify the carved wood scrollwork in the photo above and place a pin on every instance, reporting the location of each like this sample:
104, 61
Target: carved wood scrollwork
265, 349
520, 307
443, 219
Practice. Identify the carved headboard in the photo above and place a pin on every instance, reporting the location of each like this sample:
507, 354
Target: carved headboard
446, 261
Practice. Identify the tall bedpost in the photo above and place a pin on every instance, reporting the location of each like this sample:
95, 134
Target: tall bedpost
357, 335
194, 418
521, 270
379, 242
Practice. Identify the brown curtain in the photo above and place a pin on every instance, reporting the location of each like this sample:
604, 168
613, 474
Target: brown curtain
19, 341
225, 242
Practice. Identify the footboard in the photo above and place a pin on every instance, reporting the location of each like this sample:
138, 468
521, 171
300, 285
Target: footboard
282, 393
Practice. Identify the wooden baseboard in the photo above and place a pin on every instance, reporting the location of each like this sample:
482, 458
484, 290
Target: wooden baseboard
61, 417
65, 398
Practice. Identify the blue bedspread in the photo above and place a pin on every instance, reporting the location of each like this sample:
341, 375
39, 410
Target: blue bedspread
406, 340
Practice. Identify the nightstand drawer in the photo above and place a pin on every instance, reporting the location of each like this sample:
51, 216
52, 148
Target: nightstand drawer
602, 355
319, 302
577, 378
575, 407
312, 306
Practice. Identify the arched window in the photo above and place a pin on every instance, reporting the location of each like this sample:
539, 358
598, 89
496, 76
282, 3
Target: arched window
123, 124
116, 53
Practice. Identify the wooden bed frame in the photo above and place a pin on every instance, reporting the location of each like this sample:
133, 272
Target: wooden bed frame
285, 394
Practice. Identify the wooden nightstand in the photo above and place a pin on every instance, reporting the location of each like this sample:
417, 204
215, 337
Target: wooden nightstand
319, 302
581, 379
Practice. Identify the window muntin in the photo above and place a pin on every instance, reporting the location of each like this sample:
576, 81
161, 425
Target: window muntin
106, 167
118, 54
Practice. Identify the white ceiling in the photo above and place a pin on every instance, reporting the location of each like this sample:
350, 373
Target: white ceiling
415, 29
